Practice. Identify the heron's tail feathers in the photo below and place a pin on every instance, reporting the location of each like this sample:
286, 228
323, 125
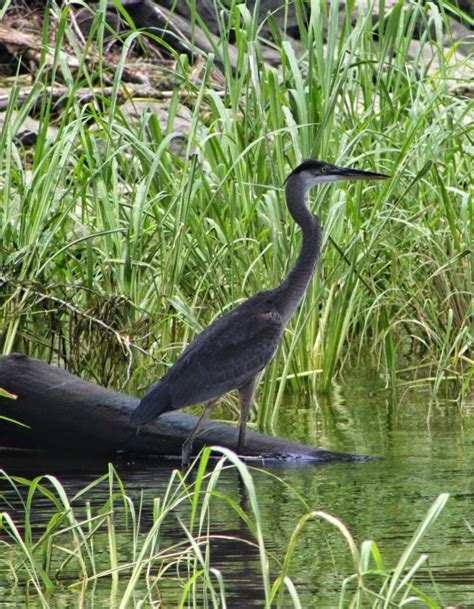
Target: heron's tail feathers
156, 401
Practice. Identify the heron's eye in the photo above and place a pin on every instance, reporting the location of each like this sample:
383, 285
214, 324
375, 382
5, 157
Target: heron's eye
324, 169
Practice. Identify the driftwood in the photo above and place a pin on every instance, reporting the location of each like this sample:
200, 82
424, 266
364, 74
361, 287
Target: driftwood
184, 36
29, 46
66, 414
60, 95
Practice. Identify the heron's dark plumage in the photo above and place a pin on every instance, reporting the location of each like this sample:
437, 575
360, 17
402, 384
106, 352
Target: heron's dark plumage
225, 356
156, 401
234, 349
309, 165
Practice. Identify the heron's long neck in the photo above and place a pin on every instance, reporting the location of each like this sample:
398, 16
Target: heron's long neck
290, 293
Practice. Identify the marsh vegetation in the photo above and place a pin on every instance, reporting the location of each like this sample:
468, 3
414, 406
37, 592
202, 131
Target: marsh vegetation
123, 234
116, 250
132, 550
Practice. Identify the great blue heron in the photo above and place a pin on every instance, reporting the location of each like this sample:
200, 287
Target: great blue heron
232, 352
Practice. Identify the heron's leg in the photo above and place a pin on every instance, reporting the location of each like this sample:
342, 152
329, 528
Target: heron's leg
247, 393
188, 443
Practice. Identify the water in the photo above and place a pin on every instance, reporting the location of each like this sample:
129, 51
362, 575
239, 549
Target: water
424, 449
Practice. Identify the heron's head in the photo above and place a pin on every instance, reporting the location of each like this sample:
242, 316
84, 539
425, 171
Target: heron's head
309, 173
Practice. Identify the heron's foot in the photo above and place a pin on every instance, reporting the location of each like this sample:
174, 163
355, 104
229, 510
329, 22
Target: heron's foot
186, 454
241, 445
242, 433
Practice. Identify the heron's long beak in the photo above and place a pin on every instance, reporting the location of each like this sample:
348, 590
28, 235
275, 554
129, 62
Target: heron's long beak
356, 174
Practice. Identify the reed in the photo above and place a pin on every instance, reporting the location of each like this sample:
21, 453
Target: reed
102, 542
115, 251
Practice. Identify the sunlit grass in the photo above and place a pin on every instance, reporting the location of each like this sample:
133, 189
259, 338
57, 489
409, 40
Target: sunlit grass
120, 546
115, 251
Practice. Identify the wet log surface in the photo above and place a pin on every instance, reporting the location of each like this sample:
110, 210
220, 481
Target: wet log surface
67, 414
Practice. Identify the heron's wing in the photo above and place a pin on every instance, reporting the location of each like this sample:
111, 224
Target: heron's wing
231, 351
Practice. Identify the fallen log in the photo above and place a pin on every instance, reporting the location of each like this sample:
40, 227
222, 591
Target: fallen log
59, 95
184, 35
66, 414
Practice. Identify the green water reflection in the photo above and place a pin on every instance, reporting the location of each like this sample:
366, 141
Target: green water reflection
424, 449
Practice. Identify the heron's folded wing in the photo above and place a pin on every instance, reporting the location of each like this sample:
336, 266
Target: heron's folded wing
227, 354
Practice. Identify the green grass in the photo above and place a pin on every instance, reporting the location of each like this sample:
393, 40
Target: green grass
115, 251
119, 547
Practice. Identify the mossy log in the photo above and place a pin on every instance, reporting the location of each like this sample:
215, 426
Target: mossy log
67, 414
